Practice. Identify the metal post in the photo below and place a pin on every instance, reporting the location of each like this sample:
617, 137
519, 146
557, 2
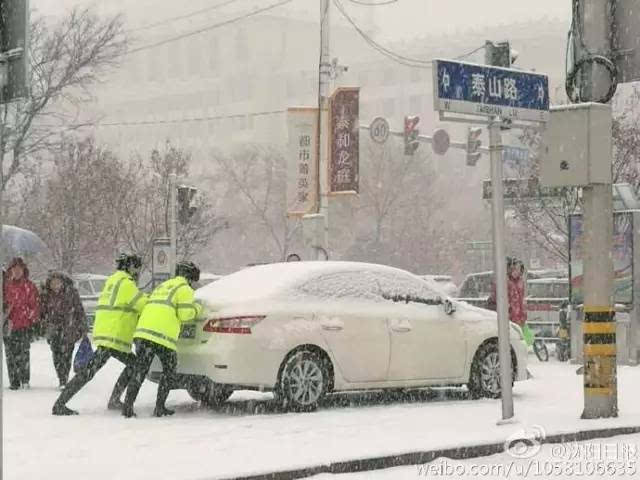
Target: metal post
323, 105
599, 326
1, 279
172, 222
500, 271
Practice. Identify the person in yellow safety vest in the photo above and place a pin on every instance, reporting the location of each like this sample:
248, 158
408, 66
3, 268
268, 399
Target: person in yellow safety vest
170, 304
119, 306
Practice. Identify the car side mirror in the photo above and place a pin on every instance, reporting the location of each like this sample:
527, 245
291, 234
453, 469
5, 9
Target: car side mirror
448, 307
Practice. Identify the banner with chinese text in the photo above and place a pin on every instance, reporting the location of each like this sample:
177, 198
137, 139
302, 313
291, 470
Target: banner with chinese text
344, 140
302, 160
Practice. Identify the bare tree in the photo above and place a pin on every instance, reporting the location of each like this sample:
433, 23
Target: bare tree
255, 176
66, 60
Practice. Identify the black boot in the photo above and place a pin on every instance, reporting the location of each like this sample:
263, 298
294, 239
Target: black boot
62, 410
128, 412
162, 412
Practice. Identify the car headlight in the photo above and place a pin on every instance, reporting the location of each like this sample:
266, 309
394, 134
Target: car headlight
516, 328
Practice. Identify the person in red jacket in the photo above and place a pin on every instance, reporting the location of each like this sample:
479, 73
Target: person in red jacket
515, 296
21, 304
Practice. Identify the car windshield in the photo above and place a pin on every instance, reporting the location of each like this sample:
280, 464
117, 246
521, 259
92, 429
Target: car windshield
97, 285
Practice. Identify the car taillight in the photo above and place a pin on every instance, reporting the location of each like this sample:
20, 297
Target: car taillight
241, 325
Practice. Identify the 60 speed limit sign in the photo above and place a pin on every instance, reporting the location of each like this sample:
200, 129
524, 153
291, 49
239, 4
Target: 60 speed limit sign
379, 130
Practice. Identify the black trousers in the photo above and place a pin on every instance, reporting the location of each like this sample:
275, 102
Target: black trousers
18, 352
62, 353
98, 361
145, 351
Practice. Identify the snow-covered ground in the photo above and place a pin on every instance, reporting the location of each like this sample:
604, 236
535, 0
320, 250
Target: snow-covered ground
197, 443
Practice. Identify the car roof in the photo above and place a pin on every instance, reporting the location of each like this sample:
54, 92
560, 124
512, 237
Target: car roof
262, 281
548, 280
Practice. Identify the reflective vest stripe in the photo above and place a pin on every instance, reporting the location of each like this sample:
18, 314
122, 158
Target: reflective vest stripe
135, 299
114, 294
156, 334
186, 305
160, 302
115, 309
169, 300
173, 292
112, 339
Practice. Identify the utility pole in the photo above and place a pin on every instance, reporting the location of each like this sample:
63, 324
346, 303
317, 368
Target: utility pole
599, 327
323, 111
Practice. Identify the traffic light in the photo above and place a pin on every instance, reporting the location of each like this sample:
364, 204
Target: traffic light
185, 198
411, 133
473, 145
498, 54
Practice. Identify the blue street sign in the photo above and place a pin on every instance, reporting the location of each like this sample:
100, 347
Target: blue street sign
461, 87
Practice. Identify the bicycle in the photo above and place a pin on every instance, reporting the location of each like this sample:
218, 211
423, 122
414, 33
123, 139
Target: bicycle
539, 347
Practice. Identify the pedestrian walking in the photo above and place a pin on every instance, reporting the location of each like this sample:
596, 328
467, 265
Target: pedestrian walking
63, 320
21, 313
119, 307
170, 304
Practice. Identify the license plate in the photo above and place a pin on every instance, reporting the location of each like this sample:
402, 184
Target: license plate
188, 331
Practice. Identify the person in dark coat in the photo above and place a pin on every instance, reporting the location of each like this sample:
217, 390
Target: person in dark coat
21, 308
63, 320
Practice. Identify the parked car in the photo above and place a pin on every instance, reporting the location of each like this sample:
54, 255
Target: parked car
476, 287
443, 282
89, 286
306, 329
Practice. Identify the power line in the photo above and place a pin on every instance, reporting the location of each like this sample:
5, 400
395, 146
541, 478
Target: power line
396, 57
208, 28
182, 17
181, 120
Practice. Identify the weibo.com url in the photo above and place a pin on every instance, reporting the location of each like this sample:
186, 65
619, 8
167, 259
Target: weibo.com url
531, 469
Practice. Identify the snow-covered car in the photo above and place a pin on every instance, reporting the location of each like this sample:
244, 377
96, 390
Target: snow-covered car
443, 282
207, 278
89, 286
306, 329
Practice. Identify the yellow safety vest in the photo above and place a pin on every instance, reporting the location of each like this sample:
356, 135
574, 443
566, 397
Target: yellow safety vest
119, 307
170, 304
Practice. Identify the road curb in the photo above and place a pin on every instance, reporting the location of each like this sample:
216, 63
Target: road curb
420, 458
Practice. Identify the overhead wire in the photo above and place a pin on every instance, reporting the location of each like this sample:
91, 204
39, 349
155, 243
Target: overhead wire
208, 28
182, 17
373, 4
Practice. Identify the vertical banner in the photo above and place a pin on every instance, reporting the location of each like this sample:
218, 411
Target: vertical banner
344, 130
302, 160
160, 264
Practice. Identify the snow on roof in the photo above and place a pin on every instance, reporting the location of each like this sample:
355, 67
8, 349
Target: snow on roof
272, 280
548, 280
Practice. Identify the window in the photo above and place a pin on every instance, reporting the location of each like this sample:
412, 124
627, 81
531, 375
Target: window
403, 284
84, 288
97, 285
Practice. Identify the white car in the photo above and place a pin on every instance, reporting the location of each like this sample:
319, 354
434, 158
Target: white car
306, 329
443, 282
89, 287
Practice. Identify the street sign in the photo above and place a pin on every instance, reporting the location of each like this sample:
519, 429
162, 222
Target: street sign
440, 142
525, 188
461, 87
302, 160
344, 135
480, 245
379, 130
160, 260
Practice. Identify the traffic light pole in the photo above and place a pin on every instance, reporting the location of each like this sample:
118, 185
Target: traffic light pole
323, 134
497, 210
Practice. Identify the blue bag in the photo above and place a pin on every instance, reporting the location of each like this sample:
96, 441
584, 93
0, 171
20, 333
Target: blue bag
84, 354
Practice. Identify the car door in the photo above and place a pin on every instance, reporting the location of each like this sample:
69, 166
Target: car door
426, 343
352, 323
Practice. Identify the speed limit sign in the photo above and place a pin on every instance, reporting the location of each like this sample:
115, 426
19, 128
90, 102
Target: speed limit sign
379, 130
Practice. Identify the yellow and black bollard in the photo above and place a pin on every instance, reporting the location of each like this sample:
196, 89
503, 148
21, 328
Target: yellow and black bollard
600, 385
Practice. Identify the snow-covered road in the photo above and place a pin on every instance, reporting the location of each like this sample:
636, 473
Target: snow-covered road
197, 443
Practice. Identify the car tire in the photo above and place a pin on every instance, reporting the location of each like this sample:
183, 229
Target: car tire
303, 381
209, 393
484, 381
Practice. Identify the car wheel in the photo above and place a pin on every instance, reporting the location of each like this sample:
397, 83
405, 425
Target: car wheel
485, 373
209, 393
303, 381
